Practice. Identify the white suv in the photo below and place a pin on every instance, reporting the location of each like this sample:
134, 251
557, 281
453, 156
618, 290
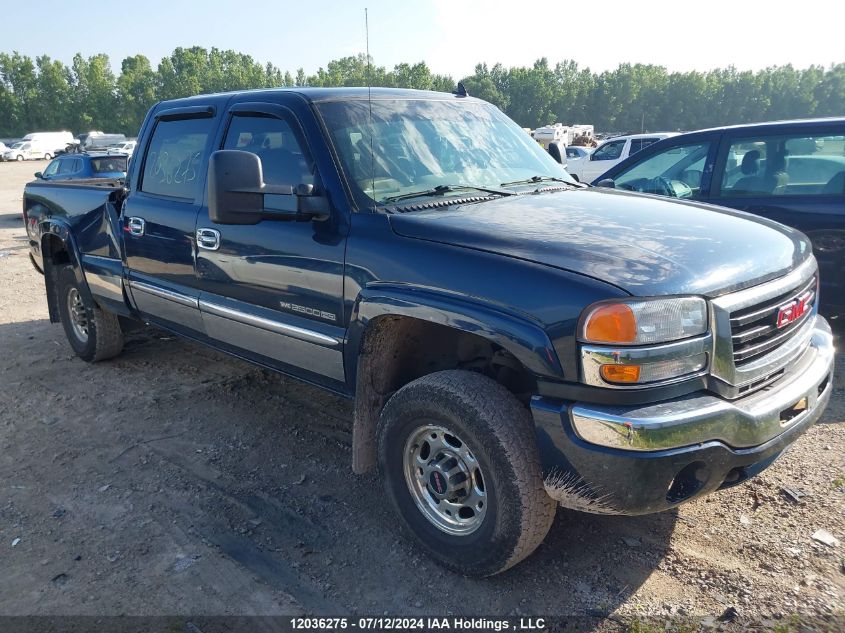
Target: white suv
611, 152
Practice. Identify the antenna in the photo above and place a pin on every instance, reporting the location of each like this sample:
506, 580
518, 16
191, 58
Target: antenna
370, 105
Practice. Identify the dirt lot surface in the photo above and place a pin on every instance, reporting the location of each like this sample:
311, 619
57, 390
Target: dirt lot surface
177, 480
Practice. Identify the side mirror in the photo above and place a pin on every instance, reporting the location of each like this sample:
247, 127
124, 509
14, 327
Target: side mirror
38, 174
237, 193
607, 183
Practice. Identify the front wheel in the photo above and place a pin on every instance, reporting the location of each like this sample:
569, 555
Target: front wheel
48, 156
460, 465
93, 333
19, 157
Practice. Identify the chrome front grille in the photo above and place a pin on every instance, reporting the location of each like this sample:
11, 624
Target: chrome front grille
750, 350
755, 331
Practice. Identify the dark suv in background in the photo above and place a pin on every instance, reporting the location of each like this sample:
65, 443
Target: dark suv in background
790, 171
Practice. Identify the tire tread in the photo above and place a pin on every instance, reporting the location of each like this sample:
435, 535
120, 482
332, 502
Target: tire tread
510, 423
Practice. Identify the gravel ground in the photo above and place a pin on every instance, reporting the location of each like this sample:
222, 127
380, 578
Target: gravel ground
176, 480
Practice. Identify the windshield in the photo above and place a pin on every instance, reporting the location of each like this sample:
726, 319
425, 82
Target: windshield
409, 146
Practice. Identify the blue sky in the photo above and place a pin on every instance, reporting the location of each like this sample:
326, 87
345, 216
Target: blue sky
450, 35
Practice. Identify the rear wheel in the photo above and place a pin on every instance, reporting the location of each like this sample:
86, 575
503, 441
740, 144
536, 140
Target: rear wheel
460, 465
93, 333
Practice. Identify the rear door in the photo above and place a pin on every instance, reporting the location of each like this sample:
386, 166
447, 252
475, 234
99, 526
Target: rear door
273, 291
159, 217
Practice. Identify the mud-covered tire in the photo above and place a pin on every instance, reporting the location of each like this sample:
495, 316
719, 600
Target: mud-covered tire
500, 434
104, 337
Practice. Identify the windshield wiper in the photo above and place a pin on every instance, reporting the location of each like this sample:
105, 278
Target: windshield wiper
442, 190
536, 179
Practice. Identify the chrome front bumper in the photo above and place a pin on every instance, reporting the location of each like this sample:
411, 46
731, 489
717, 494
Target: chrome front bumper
798, 398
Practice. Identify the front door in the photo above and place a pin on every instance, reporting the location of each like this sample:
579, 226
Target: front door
273, 291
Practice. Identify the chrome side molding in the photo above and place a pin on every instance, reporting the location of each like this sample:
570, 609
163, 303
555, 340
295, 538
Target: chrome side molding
162, 293
267, 324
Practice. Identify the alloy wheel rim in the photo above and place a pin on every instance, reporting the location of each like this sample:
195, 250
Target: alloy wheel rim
78, 315
445, 480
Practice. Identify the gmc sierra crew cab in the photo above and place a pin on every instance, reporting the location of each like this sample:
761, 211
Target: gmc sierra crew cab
513, 340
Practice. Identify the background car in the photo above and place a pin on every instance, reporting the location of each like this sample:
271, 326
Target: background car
612, 152
85, 166
123, 148
792, 172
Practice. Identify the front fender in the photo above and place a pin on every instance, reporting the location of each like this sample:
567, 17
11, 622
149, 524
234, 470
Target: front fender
516, 332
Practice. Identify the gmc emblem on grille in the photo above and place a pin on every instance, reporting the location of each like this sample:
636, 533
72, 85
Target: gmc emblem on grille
794, 310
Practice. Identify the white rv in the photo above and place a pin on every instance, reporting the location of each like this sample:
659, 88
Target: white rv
557, 133
561, 134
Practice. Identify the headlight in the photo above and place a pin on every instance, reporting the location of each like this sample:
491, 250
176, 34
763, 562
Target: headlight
644, 321
644, 341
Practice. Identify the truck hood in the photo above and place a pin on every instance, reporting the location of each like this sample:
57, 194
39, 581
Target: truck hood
644, 244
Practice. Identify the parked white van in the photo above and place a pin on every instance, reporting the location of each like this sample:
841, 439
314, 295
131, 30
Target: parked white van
51, 141
29, 150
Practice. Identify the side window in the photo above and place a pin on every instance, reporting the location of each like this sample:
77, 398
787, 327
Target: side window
283, 159
52, 168
679, 168
174, 158
785, 165
67, 166
77, 165
609, 151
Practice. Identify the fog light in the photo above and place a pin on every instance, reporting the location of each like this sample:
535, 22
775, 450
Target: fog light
653, 372
620, 373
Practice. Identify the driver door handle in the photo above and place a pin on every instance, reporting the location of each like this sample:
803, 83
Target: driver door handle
136, 226
208, 239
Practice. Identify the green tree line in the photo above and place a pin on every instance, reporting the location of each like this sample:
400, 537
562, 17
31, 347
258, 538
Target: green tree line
45, 94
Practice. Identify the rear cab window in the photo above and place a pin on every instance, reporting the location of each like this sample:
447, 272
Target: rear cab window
108, 164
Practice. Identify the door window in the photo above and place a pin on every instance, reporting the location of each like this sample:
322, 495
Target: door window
785, 165
174, 160
674, 171
609, 151
640, 143
52, 168
67, 166
283, 161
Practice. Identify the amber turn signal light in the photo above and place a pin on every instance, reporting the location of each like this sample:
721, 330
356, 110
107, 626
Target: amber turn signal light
611, 323
620, 373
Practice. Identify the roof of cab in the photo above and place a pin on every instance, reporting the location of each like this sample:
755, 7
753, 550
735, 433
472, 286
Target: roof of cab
793, 123
323, 94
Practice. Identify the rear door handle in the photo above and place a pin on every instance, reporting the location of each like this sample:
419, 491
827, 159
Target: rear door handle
136, 226
208, 239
